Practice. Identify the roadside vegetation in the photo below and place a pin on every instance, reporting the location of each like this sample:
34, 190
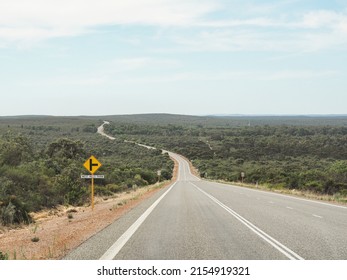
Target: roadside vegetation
41, 162
305, 154
41, 158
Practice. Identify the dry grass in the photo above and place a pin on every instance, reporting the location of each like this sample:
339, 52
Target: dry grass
298, 193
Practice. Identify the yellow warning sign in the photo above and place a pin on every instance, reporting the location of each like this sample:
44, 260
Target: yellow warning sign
92, 164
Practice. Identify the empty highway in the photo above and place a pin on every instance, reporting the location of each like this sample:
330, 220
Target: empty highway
197, 219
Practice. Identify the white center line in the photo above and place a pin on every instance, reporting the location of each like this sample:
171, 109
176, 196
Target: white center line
271, 202
289, 208
320, 217
272, 241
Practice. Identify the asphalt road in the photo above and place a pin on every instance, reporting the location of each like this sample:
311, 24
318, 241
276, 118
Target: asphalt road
196, 219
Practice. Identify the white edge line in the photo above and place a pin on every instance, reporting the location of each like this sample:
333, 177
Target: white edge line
118, 245
273, 242
185, 161
317, 216
278, 194
190, 172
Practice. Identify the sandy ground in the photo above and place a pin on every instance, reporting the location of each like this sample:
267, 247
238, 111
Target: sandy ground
63, 229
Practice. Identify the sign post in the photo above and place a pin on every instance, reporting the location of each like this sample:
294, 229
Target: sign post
242, 176
92, 165
159, 174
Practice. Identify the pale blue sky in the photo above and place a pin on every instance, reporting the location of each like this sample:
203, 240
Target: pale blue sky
87, 57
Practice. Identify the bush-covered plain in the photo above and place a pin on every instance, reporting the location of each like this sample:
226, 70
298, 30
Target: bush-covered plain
41, 157
304, 153
41, 162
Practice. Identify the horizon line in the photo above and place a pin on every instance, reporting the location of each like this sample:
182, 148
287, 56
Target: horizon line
178, 114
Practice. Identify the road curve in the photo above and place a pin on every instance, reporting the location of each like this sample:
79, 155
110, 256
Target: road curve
196, 219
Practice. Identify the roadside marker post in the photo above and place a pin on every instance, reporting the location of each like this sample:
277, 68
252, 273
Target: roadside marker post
159, 175
92, 165
242, 176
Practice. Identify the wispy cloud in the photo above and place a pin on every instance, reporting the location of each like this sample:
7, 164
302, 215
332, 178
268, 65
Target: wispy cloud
296, 75
111, 79
41, 19
135, 63
324, 19
116, 71
86, 81
313, 31
256, 27
29, 22
250, 22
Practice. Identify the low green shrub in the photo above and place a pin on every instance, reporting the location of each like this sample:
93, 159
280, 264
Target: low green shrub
3, 256
12, 211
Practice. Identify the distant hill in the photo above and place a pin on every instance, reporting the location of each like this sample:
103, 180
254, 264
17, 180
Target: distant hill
231, 120
211, 120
